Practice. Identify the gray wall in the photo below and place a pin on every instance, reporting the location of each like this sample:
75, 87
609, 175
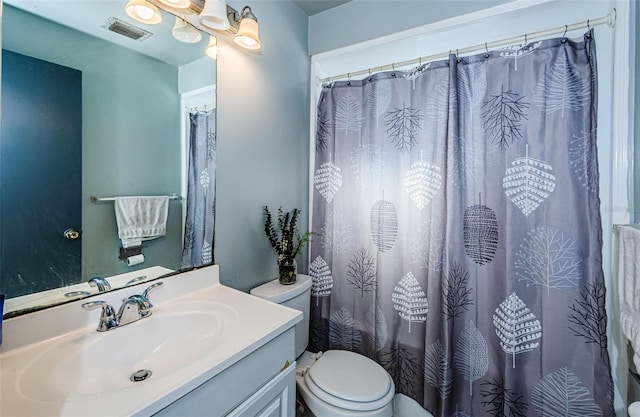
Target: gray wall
131, 133
263, 141
362, 20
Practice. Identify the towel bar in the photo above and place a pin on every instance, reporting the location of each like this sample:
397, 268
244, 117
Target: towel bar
95, 199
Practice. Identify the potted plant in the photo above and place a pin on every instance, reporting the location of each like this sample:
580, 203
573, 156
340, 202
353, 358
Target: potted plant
287, 242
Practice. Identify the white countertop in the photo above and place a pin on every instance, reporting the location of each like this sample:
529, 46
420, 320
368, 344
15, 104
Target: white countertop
25, 337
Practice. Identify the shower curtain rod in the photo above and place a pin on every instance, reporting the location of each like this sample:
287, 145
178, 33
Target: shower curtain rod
202, 106
609, 20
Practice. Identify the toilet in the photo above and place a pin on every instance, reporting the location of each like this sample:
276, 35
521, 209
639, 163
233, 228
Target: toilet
336, 382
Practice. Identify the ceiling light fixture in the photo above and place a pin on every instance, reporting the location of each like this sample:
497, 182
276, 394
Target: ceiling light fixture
184, 32
143, 12
248, 36
177, 4
214, 15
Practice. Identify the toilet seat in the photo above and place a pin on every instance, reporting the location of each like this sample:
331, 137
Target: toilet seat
350, 381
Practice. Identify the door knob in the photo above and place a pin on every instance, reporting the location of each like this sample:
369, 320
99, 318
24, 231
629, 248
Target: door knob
71, 234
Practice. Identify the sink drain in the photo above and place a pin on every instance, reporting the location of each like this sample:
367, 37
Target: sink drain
140, 375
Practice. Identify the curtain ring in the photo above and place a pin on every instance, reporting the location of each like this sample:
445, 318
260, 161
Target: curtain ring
565, 31
588, 25
393, 67
457, 55
419, 61
348, 78
369, 74
486, 55
525, 38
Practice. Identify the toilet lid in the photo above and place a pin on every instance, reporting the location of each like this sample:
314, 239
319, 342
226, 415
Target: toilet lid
349, 380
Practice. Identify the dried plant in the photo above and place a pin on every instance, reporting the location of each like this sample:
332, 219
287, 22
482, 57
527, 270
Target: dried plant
286, 241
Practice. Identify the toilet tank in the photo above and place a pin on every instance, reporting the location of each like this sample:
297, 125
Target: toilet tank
296, 296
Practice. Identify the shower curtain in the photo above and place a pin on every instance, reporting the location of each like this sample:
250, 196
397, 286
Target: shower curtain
199, 228
459, 231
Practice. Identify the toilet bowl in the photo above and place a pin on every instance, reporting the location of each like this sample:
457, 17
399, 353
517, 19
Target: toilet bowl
337, 382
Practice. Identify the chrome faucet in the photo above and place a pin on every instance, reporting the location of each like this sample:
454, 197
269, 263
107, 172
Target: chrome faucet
133, 308
102, 284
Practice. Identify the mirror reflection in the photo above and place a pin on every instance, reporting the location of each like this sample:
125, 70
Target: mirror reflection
88, 111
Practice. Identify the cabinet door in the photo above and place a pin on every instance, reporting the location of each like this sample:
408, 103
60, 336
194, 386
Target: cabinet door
276, 399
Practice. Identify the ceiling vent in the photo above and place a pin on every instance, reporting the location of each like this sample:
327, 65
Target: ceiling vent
126, 29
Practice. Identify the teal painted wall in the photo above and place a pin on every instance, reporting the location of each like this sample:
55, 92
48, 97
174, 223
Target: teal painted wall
131, 133
263, 141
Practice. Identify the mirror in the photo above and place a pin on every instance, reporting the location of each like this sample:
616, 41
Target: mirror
131, 100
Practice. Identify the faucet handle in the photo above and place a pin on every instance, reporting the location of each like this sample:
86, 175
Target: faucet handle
108, 319
102, 284
145, 294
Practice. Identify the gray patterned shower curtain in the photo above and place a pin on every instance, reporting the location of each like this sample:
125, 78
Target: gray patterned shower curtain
199, 227
460, 240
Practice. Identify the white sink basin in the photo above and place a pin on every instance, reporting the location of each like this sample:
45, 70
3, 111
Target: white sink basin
54, 363
99, 363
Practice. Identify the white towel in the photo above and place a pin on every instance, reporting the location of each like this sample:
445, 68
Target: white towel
629, 287
141, 218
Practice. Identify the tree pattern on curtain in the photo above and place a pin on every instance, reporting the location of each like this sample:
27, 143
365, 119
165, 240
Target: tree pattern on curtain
460, 235
201, 190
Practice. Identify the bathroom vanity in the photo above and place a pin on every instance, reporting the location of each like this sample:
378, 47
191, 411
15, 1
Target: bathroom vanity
206, 349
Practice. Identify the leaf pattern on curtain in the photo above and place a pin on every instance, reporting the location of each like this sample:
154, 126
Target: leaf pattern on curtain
328, 180
404, 369
562, 394
428, 246
384, 224
348, 117
422, 182
518, 51
456, 296
517, 328
480, 226
376, 327
337, 234
472, 354
583, 161
437, 103
366, 164
501, 401
528, 182
562, 88
589, 318
503, 115
361, 272
343, 331
409, 300
550, 258
378, 97
461, 173
321, 279
403, 125
437, 370
323, 131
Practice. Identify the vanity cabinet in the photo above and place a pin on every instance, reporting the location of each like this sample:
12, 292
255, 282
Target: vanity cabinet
260, 384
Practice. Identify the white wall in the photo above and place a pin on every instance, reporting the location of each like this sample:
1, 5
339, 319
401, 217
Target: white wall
262, 158
495, 24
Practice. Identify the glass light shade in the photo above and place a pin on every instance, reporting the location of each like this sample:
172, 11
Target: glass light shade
184, 32
247, 36
214, 15
143, 12
177, 4
212, 48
